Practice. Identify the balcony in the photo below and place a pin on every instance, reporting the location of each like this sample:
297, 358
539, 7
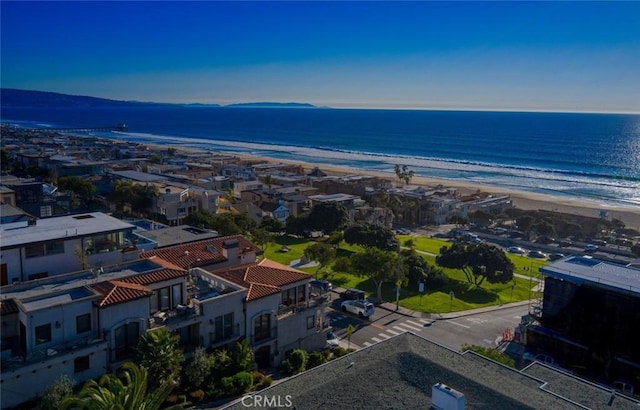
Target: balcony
18, 359
174, 316
263, 337
219, 338
312, 302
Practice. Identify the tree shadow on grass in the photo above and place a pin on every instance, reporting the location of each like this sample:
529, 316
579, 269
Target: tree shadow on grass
469, 293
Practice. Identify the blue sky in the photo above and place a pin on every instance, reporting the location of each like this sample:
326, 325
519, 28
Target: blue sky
550, 56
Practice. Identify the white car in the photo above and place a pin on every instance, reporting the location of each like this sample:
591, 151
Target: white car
332, 340
516, 249
362, 308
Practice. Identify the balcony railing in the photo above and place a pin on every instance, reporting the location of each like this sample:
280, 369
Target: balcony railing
178, 314
260, 338
312, 302
217, 339
19, 360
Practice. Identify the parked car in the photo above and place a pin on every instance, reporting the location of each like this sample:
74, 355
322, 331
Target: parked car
556, 256
332, 340
362, 308
320, 286
353, 294
565, 243
537, 254
516, 249
590, 247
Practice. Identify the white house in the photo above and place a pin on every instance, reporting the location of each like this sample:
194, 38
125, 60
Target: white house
45, 247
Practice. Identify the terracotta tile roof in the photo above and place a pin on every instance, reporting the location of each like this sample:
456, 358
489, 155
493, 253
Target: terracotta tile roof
8, 306
156, 276
116, 291
201, 253
263, 278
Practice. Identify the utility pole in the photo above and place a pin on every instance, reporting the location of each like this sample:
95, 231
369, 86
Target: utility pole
398, 282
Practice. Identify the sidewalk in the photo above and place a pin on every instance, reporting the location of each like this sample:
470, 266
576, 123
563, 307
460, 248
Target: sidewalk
391, 307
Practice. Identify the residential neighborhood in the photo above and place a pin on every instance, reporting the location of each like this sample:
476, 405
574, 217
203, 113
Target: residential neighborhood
105, 241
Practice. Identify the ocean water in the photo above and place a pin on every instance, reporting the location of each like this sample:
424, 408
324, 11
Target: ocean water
593, 157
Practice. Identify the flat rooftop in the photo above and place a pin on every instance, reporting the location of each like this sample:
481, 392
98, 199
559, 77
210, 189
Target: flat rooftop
584, 270
61, 227
177, 235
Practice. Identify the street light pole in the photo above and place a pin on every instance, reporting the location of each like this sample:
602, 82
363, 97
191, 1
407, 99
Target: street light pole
398, 279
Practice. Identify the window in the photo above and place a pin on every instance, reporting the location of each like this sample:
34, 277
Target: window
32, 251
163, 295
289, 297
311, 321
45, 211
43, 333
81, 363
176, 295
126, 339
223, 328
302, 293
262, 327
83, 323
54, 247
153, 303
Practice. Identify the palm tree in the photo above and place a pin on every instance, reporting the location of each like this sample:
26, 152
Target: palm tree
110, 392
159, 354
242, 356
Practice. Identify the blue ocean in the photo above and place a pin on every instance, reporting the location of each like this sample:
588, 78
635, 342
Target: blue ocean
593, 157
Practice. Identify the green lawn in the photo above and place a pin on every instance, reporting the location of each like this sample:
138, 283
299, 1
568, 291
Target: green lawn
433, 301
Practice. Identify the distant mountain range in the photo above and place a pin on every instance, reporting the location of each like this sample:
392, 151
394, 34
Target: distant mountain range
11, 97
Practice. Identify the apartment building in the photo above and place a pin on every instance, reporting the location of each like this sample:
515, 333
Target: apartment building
38, 248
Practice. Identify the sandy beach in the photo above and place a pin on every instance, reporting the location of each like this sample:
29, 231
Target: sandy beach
521, 199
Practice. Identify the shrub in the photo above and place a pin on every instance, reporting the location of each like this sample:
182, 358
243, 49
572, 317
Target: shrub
295, 363
54, 394
243, 381
257, 377
197, 395
199, 369
338, 351
316, 359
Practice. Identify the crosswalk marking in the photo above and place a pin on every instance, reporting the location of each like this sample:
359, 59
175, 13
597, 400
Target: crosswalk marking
401, 329
425, 321
394, 332
414, 323
386, 336
408, 326
375, 339
365, 344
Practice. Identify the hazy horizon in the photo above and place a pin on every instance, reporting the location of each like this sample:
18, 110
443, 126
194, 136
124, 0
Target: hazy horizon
470, 56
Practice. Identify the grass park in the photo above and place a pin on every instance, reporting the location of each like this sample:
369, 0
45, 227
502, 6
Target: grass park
466, 296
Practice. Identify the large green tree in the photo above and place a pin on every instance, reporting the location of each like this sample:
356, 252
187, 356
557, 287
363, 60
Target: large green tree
328, 217
376, 264
321, 252
370, 235
478, 262
159, 353
126, 393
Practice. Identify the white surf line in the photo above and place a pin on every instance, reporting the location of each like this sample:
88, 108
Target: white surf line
460, 324
393, 332
413, 328
384, 335
375, 339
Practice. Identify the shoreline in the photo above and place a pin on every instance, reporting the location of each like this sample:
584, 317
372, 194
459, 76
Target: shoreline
521, 199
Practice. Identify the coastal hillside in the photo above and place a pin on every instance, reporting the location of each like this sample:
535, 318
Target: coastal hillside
12, 97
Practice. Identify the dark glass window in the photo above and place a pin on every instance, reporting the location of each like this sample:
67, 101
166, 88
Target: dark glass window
43, 333
262, 327
83, 323
81, 363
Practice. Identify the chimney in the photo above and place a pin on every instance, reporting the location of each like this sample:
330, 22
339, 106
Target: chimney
444, 397
230, 249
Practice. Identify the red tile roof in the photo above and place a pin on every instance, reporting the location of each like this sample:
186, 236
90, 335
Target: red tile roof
262, 278
116, 291
8, 306
201, 253
156, 276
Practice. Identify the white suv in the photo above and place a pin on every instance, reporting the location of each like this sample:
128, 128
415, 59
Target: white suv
361, 308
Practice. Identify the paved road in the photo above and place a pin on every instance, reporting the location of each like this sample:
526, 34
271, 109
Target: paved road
484, 328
